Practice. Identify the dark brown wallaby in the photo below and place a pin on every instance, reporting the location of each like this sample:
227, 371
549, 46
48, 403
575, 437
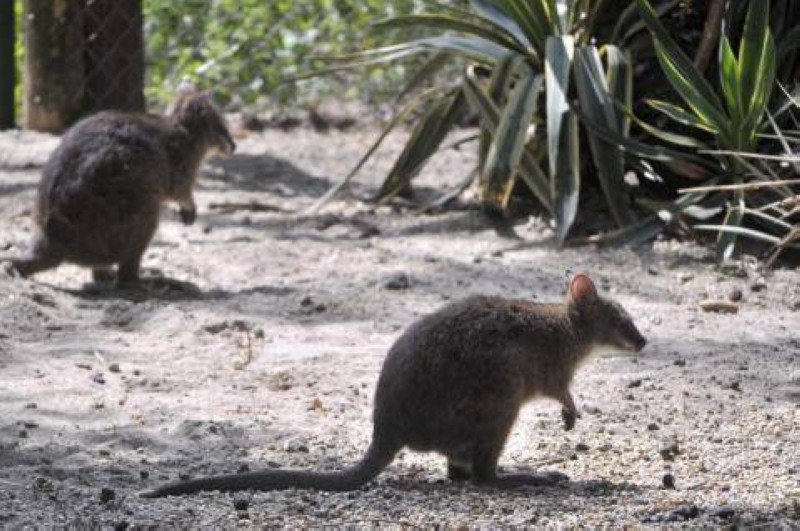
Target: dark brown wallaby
99, 198
454, 382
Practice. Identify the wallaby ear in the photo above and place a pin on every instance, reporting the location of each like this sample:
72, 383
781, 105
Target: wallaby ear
581, 289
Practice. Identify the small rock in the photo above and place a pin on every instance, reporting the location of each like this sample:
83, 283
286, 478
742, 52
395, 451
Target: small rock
399, 281
592, 410
685, 277
668, 480
722, 511
244, 467
99, 378
121, 525
23, 434
31, 405
144, 474
114, 367
582, 447
680, 362
719, 306
42, 483
734, 385
653, 426
635, 383
735, 294
758, 285
241, 504
107, 494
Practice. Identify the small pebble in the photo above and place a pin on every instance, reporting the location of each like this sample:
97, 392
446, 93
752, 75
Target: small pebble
735, 294
679, 362
399, 281
114, 367
98, 378
668, 480
241, 504
635, 383
107, 494
582, 447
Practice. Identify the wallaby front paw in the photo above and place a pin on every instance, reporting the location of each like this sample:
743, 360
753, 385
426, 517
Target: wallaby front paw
569, 416
187, 215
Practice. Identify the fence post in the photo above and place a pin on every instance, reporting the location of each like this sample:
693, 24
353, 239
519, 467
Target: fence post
53, 64
7, 64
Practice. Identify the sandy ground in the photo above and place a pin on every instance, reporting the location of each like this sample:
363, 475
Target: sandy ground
264, 347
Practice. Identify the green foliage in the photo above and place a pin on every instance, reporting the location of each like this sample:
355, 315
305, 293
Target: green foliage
246, 50
735, 115
526, 47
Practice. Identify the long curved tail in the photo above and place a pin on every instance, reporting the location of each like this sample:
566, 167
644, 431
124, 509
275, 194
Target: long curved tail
374, 461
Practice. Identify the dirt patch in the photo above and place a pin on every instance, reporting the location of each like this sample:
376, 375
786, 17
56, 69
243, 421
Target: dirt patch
263, 331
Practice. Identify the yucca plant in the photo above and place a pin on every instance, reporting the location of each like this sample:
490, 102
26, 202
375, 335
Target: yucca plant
525, 64
732, 122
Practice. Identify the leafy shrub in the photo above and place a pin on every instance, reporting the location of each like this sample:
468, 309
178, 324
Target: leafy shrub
535, 72
246, 50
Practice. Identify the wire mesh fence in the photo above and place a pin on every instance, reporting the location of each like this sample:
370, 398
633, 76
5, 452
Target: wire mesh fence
79, 56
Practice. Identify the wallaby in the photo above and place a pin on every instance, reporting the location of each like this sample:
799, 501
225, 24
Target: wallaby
100, 195
454, 382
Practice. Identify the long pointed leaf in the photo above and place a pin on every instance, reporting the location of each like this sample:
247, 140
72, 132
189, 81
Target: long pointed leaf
487, 31
424, 142
558, 64
608, 159
529, 169
506, 150
488, 10
566, 185
679, 115
397, 119
681, 72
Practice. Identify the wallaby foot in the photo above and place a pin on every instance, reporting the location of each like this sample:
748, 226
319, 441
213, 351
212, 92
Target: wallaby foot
569, 413
530, 479
103, 275
458, 471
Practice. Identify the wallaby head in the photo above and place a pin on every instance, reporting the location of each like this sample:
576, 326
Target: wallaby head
197, 112
608, 324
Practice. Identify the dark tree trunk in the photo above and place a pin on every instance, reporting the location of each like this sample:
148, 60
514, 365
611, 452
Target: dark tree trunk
7, 63
53, 64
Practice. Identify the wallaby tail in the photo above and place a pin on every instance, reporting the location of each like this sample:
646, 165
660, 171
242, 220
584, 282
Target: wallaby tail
374, 461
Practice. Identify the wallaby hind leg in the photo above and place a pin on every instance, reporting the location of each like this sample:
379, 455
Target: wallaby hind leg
128, 270
485, 470
42, 258
128, 274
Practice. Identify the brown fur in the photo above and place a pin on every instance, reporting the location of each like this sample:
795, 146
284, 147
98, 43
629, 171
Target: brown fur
99, 198
454, 382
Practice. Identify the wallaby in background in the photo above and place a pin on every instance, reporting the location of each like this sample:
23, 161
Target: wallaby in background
101, 191
454, 383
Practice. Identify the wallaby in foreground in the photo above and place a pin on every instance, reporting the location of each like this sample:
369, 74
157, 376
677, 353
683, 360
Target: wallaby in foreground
454, 382
101, 191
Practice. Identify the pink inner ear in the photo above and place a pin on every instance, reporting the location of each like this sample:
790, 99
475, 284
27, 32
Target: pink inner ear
582, 288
